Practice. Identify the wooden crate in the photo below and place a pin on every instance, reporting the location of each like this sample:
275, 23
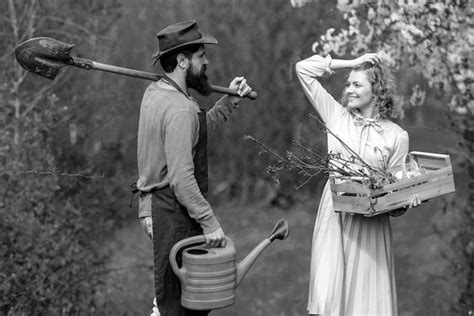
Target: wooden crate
357, 197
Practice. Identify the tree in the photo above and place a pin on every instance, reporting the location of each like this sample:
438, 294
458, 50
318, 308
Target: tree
48, 203
434, 40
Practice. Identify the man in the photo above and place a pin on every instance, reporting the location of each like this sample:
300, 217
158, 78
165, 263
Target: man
172, 154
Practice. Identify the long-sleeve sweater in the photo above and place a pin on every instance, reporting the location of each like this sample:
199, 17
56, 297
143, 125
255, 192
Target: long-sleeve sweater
167, 136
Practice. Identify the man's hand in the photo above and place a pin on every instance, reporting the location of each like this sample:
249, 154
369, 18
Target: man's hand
239, 84
216, 238
147, 225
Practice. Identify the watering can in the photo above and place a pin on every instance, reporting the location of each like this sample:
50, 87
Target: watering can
209, 276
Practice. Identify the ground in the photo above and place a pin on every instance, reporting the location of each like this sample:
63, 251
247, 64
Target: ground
278, 281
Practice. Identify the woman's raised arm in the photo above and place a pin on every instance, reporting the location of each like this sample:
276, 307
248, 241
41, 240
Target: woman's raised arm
308, 72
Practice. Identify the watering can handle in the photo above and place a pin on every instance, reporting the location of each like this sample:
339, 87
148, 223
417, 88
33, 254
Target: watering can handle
178, 246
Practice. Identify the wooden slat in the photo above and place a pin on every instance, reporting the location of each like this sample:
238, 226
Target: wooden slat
425, 195
426, 154
394, 200
351, 204
428, 176
357, 188
350, 187
431, 161
426, 191
352, 200
432, 164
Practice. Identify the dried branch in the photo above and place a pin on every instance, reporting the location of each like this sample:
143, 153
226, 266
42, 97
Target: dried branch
310, 162
69, 22
56, 83
353, 154
267, 149
52, 173
13, 19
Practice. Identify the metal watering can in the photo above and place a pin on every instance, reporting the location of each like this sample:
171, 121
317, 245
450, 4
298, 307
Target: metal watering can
208, 275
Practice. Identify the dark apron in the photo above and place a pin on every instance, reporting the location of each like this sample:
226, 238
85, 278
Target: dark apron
172, 223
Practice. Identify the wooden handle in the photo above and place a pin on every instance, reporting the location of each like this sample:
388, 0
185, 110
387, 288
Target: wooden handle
252, 95
89, 64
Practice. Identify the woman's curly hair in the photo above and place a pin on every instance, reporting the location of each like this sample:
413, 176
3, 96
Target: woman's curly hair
383, 88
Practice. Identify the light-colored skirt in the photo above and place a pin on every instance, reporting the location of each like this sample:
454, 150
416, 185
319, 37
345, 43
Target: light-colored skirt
352, 271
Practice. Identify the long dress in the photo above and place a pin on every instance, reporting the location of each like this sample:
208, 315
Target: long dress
352, 265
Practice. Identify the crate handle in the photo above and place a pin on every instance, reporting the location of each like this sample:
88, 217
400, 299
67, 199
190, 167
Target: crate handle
413, 165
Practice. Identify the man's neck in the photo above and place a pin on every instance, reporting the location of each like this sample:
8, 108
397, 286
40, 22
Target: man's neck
179, 78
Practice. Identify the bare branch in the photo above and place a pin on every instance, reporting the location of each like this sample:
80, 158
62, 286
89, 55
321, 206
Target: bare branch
69, 22
13, 19
30, 28
349, 149
76, 37
311, 162
58, 82
307, 180
52, 173
267, 149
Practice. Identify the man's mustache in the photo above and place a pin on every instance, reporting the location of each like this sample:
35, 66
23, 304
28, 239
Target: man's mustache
203, 72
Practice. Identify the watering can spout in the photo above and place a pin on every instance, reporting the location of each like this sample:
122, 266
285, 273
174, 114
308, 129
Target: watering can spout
280, 231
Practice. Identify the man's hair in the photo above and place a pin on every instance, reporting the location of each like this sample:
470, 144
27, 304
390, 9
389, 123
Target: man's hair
383, 88
169, 62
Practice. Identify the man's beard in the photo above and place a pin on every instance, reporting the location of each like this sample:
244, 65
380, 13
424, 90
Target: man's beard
198, 81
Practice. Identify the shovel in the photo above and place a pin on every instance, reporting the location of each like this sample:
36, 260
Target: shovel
46, 56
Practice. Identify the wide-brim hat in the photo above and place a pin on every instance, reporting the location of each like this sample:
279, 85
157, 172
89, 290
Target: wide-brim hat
178, 35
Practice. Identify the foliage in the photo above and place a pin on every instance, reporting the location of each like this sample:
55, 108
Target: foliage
51, 198
433, 38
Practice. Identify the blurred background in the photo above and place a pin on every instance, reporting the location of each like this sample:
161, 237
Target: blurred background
70, 241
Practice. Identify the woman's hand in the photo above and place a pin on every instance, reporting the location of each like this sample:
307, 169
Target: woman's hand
367, 58
380, 57
414, 202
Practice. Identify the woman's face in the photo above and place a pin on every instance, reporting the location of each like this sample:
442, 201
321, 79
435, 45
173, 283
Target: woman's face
358, 92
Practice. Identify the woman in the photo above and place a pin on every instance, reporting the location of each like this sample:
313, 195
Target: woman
352, 271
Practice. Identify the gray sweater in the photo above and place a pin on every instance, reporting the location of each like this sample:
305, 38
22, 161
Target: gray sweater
168, 133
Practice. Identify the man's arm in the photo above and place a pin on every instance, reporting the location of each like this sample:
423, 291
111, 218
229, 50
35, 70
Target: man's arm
219, 113
181, 132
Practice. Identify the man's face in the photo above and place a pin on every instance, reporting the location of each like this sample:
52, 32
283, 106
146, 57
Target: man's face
196, 77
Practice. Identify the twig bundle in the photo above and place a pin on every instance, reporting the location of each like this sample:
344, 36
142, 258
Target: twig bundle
310, 162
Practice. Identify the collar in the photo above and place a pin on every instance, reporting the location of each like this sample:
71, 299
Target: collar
173, 83
359, 120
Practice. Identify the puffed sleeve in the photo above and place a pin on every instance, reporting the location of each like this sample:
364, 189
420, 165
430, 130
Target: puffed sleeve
399, 150
308, 71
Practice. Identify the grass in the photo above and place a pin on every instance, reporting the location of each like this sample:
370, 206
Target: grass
278, 281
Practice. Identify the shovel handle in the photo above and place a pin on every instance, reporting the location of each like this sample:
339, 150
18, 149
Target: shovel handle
90, 64
252, 95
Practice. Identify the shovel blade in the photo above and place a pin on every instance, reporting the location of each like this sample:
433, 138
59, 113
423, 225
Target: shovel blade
43, 56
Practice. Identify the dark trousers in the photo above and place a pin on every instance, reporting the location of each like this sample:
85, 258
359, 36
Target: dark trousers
171, 223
